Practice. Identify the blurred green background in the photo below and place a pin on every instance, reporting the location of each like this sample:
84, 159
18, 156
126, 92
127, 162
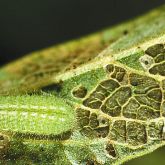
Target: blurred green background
30, 25
154, 158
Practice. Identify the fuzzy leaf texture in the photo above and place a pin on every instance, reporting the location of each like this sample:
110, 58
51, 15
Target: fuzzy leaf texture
96, 100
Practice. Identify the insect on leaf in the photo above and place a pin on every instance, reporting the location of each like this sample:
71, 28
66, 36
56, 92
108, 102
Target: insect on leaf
96, 100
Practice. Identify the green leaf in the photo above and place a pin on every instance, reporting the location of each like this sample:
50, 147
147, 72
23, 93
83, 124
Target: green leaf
96, 100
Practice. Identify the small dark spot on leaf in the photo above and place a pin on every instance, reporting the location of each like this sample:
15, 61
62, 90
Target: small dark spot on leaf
1, 137
111, 150
110, 68
80, 92
125, 32
103, 121
146, 62
42, 149
134, 83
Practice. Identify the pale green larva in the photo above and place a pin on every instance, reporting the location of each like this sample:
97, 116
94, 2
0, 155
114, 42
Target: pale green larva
45, 115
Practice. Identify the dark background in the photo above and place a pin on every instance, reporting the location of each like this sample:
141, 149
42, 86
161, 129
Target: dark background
28, 25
